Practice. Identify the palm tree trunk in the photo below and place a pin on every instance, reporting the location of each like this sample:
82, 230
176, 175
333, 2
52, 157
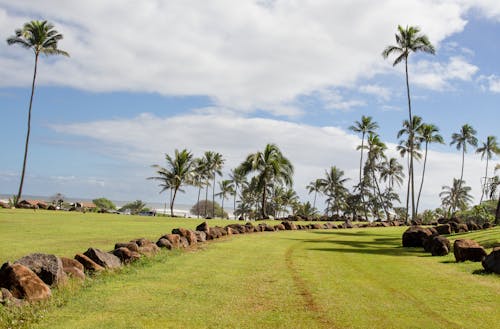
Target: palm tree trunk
361, 157
222, 197
314, 202
485, 180
20, 191
408, 89
408, 195
497, 214
423, 175
413, 213
234, 200
411, 141
462, 172
263, 210
380, 197
213, 198
172, 203
198, 203
206, 199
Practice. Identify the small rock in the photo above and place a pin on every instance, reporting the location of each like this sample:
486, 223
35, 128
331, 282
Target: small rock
49, 268
132, 246
102, 258
125, 255
88, 263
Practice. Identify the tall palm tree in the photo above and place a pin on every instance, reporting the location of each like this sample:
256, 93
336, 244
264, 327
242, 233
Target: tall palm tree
270, 166
40, 37
408, 40
218, 162
365, 126
334, 189
391, 171
428, 133
466, 136
237, 179
404, 151
488, 148
376, 154
226, 190
176, 174
198, 179
315, 186
456, 196
410, 128
207, 165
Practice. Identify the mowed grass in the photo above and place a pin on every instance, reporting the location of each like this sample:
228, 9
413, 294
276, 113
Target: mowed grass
359, 278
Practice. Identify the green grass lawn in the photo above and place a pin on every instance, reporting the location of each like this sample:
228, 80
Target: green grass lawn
360, 278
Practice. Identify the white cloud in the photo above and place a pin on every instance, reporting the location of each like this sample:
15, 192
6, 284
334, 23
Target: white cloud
439, 76
245, 55
146, 138
492, 83
382, 93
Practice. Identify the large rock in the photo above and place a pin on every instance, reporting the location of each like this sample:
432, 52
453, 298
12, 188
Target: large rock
23, 283
249, 227
203, 227
132, 246
289, 225
141, 242
443, 229
468, 250
461, 228
6, 298
201, 236
347, 224
88, 263
440, 246
102, 258
184, 242
68, 262
73, 268
125, 255
279, 227
49, 268
164, 243
491, 263
174, 239
472, 226
188, 234
415, 236
149, 249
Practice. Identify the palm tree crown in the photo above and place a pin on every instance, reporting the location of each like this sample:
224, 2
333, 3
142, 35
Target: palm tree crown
487, 150
466, 136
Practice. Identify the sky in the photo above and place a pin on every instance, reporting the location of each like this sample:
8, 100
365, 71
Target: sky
146, 78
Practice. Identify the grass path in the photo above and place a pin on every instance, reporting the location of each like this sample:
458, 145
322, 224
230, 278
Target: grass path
316, 279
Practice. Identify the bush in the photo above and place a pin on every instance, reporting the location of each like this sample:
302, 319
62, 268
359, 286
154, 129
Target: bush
104, 204
205, 208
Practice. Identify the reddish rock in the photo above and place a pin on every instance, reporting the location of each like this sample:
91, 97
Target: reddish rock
125, 255
88, 263
415, 236
279, 227
184, 242
491, 263
174, 239
68, 262
102, 258
461, 228
74, 272
149, 250
443, 229
188, 234
440, 246
49, 268
132, 246
203, 227
23, 283
201, 236
164, 243
6, 298
141, 242
468, 250
289, 225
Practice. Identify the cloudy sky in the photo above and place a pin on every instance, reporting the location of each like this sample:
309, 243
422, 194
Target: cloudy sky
145, 78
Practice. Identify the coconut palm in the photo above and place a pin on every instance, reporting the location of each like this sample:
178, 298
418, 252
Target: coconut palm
315, 186
209, 164
226, 190
456, 196
466, 136
365, 126
410, 128
238, 180
427, 133
408, 40
391, 171
175, 175
216, 167
270, 166
42, 38
334, 189
404, 151
487, 150
376, 154
198, 178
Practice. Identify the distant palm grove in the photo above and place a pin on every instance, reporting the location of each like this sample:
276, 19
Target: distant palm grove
262, 185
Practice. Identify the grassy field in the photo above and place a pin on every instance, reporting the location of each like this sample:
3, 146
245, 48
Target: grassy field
358, 278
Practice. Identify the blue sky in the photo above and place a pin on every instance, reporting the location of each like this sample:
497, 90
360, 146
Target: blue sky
232, 76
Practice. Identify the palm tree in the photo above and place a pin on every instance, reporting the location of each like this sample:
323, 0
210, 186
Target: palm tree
334, 189
226, 189
488, 148
408, 41
207, 165
456, 196
410, 128
315, 186
198, 179
497, 213
218, 162
365, 126
428, 133
237, 179
40, 37
271, 166
404, 151
176, 174
376, 150
466, 136
391, 171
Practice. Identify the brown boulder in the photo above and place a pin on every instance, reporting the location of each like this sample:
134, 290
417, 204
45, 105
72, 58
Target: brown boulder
461, 228
415, 236
23, 283
443, 229
347, 224
164, 243
279, 227
75, 272
289, 225
141, 242
174, 239
184, 242
132, 246
202, 227
49, 268
88, 263
440, 246
68, 262
102, 258
249, 227
468, 250
188, 234
472, 226
491, 263
201, 236
6, 298
125, 255
487, 225
149, 250
316, 226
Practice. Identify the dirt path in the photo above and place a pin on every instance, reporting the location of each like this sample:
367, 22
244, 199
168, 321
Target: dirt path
307, 296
